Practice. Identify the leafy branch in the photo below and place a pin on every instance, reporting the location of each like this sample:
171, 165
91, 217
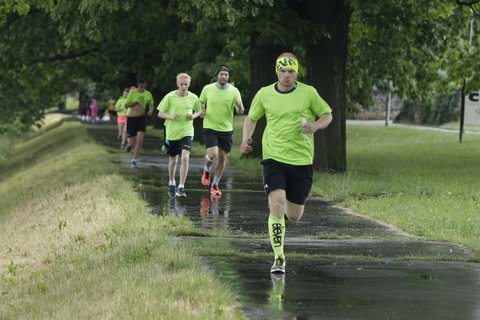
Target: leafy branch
471, 5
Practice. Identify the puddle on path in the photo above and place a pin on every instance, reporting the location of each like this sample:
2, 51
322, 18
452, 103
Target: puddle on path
338, 289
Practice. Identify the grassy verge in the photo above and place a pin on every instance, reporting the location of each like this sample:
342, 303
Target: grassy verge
456, 125
73, 234
424, 182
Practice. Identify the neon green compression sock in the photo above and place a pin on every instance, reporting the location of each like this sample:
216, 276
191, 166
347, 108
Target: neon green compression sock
276, 230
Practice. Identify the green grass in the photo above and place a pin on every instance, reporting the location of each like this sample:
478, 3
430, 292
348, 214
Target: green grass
74, 234
6, 147
424, 182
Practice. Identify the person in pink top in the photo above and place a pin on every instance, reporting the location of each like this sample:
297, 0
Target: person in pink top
94, 109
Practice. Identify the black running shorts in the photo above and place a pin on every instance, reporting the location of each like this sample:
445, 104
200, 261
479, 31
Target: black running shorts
295, 180
220, 139
175, 147
136, 124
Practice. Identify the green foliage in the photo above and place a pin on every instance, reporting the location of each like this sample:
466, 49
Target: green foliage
48, 48
100, 47
405, 42
26, 71
219, 12
409, 113
445, 109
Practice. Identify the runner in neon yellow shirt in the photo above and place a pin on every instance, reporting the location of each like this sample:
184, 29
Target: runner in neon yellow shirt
294, 112
218, 99
179, 108
137, 101
122, 117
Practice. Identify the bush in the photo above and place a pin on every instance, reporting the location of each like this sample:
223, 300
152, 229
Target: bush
445, 109
408, 113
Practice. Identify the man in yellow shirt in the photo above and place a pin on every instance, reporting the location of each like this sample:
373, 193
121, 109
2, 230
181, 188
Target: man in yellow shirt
137, 102
179, 108
218, 99
294, 111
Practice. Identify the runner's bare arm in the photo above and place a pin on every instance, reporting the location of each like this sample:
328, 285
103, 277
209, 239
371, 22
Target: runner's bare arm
248, 129
197, 114
130, 104
163, 115
239, 106
150, 110
321, 123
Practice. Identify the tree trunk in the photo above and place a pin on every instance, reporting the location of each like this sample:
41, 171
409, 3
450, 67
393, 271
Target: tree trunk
326, 68
262, 70
198, 130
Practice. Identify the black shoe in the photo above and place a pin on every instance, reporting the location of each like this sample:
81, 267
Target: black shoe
171, 191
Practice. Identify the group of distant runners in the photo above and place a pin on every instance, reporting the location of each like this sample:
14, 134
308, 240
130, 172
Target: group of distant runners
293, 110
92, 109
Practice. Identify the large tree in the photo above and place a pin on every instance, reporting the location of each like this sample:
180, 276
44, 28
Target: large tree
326, 67
318, 29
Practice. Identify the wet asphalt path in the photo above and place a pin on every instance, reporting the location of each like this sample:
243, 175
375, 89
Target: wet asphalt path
344, 266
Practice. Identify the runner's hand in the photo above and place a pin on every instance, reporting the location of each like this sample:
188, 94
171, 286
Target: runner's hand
245, 146
309, 127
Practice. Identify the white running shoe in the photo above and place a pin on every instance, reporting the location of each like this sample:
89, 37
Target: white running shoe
278, 265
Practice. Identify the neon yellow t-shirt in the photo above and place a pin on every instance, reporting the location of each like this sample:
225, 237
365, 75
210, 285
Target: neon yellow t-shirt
220, 105
283, 139
143, 98
120, 106
174, 104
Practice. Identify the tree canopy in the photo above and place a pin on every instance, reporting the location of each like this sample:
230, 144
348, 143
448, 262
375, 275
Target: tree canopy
49, 48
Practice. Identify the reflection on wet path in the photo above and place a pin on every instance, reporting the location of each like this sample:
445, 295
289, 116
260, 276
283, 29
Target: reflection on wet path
323, 284
242, 208
339, 289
